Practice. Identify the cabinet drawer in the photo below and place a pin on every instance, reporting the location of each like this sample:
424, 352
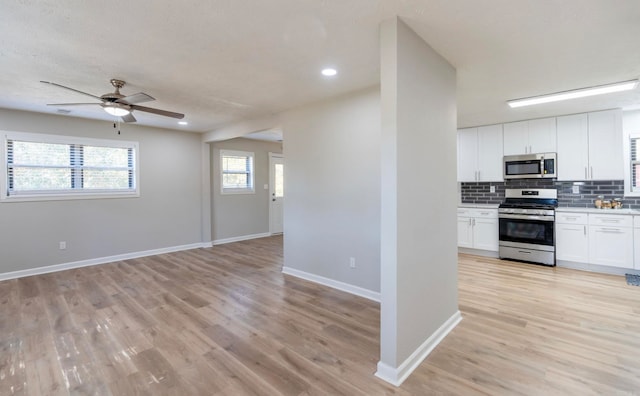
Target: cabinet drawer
572, 218
610, 220
485, 213
465, 212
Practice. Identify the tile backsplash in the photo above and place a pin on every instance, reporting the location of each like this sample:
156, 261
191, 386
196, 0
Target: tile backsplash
479, 192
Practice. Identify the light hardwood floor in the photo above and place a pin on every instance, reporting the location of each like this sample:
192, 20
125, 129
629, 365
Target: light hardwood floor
226, 321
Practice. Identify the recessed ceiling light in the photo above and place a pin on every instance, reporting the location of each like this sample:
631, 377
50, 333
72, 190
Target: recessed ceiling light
576, 93
329, 72
183, 123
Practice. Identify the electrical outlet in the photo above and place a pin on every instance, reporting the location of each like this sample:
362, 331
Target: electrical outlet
492, 189
575, 189
63, 245
352, 262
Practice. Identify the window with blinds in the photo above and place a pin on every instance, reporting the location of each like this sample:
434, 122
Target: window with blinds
236, 172
635, 164
50, 166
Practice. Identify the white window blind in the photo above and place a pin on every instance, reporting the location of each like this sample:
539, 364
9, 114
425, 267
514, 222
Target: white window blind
59, 166
635, 164
236, 172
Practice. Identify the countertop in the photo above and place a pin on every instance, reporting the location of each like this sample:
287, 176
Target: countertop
600, 211
478, 206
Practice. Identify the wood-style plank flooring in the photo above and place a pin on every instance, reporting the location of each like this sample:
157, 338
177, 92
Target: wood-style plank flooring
226, 321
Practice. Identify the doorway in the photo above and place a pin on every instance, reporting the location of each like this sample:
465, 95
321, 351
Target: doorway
276, 193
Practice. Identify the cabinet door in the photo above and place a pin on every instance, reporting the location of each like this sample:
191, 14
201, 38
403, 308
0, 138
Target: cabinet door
612, 246
605, 145
467, 154
636, 248
542, 135
490, 153
573, 147
572, 243
516, 138
465, 236
485, 234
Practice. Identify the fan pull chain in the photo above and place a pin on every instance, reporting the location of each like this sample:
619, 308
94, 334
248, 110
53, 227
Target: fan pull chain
114, 126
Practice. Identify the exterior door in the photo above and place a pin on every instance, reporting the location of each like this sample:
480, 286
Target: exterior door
276, 193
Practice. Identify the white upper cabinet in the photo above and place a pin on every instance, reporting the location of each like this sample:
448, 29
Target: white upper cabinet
516, 138
542, 135
467, 154
480, 154
573, 147
490, 153
590, 146
605, 145
527, 137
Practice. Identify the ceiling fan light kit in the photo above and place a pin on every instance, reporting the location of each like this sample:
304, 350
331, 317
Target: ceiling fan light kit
116, 109
574, 94
117, 104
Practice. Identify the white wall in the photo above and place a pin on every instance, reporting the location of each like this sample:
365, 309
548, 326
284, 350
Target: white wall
167, 213
332, 185
419, 198
239, 215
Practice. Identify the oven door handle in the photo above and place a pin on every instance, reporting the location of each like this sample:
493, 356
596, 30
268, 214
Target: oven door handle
526, 217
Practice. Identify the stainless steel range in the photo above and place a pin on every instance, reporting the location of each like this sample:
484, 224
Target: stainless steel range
527, 218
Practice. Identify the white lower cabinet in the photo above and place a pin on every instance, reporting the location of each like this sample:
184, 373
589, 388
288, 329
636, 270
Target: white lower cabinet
600, 239
572, 239
478, 228
612, 246
636, 242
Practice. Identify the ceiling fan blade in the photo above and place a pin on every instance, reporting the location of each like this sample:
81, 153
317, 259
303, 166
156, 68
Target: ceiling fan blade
71, 104
139, 97
158, 111
71, 89
128, 118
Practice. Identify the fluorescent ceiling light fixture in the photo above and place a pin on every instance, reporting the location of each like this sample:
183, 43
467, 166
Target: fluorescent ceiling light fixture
116, 109
329, 72
573, 94
183, 123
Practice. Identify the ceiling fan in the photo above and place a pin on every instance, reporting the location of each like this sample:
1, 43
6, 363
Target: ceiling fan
117, 104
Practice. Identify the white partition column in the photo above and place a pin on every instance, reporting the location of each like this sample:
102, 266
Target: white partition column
419, 299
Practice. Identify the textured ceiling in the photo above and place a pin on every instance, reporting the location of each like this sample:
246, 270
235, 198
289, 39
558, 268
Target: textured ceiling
222, 61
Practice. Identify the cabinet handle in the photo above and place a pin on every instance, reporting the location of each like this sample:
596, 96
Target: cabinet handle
610, 220
611, 230
592, 173
474, 222
484, 213
586, 175
571, 218
469, 221
585, 230
478, 175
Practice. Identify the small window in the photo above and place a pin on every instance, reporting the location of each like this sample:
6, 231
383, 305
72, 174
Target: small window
236, 172
44, 167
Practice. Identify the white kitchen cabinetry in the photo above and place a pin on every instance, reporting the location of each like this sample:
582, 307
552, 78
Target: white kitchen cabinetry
636, 242
480, 154
590, 146
572, 240
478, 228
605, 145
611, 240
527, 137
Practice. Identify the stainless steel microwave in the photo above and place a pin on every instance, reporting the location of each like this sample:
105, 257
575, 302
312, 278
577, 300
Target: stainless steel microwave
531, 166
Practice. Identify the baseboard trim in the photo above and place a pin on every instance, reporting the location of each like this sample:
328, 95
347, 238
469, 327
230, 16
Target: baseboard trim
396, 376
478, 252
345, 287
97, 261
240, 238
602, 269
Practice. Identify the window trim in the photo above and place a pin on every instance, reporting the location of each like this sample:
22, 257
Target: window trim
65, 194
252, 173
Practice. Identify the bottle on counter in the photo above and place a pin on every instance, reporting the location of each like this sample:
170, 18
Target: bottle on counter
598, 202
